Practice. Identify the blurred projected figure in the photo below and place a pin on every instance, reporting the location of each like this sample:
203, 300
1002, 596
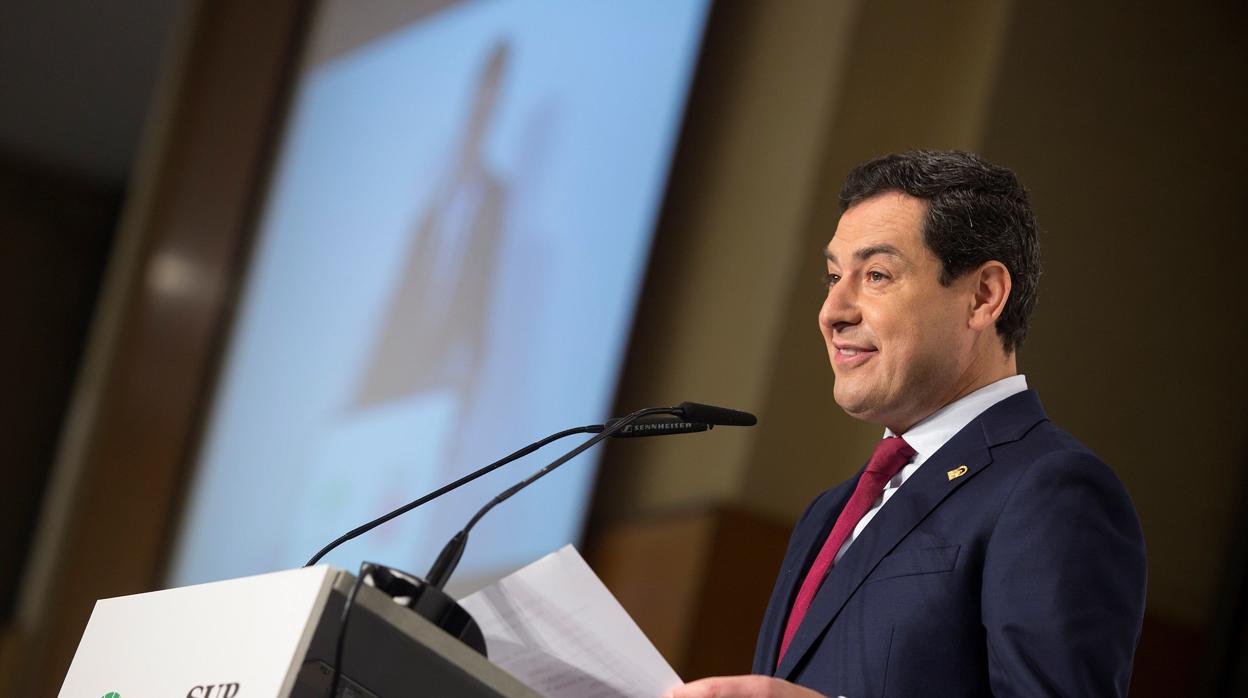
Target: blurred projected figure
404, 422
434, 332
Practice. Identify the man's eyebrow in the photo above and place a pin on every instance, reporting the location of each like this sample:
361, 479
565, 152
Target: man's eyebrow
867, 252
873, 250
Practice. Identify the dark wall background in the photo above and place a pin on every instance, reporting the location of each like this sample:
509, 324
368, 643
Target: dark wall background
76, 80
56, 233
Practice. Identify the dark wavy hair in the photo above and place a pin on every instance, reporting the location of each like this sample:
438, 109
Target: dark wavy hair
976, 212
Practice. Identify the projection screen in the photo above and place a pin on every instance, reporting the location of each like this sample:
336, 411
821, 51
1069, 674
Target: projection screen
445, 269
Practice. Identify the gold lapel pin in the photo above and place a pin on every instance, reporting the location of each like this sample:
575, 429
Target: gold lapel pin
957, 472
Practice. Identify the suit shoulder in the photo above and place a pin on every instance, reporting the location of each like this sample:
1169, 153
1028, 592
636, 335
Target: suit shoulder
1049, 464
1048, 446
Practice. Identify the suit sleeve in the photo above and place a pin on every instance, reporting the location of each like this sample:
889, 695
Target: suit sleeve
1064, 582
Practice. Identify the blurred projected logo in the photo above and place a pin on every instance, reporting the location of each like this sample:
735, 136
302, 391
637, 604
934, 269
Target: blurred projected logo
112, 694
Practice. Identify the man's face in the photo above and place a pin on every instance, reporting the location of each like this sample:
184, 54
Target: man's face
899, 341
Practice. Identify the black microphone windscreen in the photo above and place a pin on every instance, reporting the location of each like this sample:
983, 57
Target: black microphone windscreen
721, 416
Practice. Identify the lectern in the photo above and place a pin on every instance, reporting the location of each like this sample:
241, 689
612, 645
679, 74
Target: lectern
273, 635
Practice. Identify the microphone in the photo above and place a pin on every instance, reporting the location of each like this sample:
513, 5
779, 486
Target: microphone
685, 418
698, 414
720, 416
657, 426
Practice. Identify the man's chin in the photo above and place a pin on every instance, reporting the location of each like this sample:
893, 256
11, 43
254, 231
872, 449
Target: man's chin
855, 406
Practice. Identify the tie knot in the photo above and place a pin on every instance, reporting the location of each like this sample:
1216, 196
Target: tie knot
890, 454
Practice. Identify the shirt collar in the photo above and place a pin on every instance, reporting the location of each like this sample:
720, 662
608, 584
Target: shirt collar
936, 429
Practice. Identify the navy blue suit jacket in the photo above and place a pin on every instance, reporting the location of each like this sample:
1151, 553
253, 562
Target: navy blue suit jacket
1024, 576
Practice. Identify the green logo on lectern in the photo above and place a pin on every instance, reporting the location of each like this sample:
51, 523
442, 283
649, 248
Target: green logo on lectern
112, 694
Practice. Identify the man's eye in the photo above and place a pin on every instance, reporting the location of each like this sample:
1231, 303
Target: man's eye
829, 279
876, 276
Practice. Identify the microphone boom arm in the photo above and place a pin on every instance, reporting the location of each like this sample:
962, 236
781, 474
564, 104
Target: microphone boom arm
365, 528
448, 559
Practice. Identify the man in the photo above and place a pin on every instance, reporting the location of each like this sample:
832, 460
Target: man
982, 550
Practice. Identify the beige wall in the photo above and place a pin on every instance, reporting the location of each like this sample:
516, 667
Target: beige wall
790, 96
729, 240
918, 76
804, 91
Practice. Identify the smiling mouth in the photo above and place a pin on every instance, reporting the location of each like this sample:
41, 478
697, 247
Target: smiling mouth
849, 356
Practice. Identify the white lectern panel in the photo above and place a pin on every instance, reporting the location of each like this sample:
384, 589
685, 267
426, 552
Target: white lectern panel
238, 637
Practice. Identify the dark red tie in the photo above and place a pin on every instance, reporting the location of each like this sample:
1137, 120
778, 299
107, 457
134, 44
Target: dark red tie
890, 455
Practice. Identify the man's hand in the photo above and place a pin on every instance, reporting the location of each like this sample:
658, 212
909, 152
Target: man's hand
741, 687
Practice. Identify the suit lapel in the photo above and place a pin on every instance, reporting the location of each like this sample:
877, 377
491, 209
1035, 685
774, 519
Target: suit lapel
801, 556
921, 493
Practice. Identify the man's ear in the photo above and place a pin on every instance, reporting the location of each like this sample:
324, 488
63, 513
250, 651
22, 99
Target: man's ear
991, 288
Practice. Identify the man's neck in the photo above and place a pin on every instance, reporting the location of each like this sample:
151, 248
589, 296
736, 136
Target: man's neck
986, 374
976, 377
990, 392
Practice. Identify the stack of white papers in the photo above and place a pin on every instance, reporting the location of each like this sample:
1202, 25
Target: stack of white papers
554, 626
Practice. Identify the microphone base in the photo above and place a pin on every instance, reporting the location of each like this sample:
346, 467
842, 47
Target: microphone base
433, 604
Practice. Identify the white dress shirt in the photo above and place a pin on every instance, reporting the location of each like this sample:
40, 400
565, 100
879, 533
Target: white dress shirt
934, 431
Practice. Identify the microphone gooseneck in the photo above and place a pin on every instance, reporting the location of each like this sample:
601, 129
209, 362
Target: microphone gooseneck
698, 417
448, 559
365, 528
425, 596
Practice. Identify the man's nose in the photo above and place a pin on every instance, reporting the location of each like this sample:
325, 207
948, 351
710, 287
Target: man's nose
840, 307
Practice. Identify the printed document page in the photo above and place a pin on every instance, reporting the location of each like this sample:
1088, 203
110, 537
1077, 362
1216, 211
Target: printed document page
557, 628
